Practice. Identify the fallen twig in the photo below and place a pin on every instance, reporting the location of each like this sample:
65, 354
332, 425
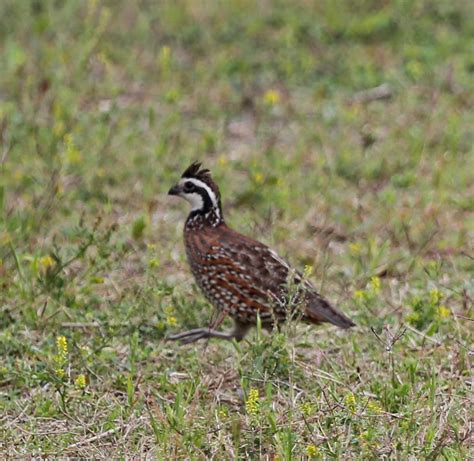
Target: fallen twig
100, 436
383, 91
419, 333
80, 324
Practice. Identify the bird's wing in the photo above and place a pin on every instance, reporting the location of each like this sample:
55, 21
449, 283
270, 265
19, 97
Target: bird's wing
261, 272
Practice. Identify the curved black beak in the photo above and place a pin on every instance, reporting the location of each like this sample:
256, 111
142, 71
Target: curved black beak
175, 190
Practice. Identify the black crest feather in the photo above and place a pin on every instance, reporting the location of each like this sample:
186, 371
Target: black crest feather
194, 171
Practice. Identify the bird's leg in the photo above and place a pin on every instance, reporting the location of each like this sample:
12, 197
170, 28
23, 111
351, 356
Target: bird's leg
199, 333
219, 319
186, 337
191, 336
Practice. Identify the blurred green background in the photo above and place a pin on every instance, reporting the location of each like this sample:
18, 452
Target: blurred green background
340, 133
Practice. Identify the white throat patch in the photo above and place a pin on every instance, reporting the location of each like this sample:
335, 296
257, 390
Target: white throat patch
195, 199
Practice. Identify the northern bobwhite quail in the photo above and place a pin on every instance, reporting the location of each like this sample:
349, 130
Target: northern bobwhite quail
240, 276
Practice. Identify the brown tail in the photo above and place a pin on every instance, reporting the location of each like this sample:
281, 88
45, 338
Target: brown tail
319, 310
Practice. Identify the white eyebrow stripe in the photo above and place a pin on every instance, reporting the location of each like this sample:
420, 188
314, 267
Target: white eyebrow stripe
209, 191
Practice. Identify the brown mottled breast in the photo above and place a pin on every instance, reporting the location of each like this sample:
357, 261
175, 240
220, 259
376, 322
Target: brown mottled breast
238, 274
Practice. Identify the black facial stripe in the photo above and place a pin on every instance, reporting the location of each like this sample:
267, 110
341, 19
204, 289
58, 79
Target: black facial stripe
207, 202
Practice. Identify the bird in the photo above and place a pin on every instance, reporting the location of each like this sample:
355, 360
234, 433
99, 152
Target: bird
240, 276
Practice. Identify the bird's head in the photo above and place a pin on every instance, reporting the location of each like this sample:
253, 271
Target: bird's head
198, 188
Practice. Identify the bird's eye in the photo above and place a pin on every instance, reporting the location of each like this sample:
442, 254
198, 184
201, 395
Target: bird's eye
188, 186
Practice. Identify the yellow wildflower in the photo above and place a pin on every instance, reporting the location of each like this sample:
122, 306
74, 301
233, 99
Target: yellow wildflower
259, 178
374, 407
58, 111
165, 53
359, 295
443, 311
153, 262
68, 139
172, 95
363, 437
170, 317
308, 270
375, 284
61, 344
45, 262
350, 401
367, 441
355, 248
171, 320
413, 317
252, 405
59, 373
222, 160
307, 409
405, 424
18, 175
73, 155
414, 68
272, 97
435, 296
164, 59
169, 310
80, 381
312, 450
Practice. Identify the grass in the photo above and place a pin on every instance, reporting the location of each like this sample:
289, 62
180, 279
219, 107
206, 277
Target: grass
102, 105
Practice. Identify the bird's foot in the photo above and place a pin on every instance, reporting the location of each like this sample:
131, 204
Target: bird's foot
196, 334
